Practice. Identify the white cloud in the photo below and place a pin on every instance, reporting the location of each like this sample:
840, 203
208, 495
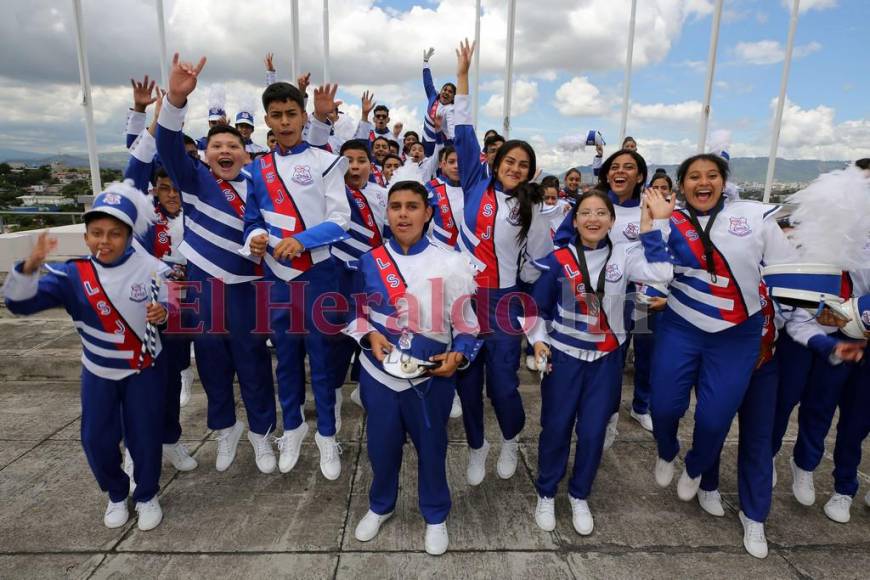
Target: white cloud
579, 97
770, 51
523, 96
810, 5
687, 111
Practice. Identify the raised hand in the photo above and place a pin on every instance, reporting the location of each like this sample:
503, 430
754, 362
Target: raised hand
324, 101
463, 57
303, 81
182, 79
41, 249
268, 62
152, 128
142, 94
427, 54
657, 206
367, 102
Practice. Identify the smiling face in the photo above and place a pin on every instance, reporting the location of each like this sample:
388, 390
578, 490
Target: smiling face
572, 181
593, 221
407, 214
409, 139
358, 168
702, 185
623, 176
286, 119
390, 166
380, 149
417, 152
167, 195
106, 238
448, 92
660, 184
514, 168
225, 155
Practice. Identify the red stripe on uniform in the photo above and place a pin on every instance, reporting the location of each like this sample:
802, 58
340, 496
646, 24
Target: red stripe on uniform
445, 211
484, 231
389, 274
283, 203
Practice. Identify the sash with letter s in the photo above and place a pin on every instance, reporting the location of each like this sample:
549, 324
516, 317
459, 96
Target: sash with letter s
445, 212
390, 275
283, 203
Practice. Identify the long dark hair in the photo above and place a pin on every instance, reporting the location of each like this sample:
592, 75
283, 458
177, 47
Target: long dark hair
720, 164
527, 193
641, 169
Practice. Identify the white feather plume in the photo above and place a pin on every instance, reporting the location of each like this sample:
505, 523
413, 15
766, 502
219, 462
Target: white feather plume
248, 104
719, 141
145, 214
453, 277
832, 219
217, 97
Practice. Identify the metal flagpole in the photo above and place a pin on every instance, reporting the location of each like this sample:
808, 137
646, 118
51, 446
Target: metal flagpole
325, 41
777, 122
161, 32
509, 67
711, 70
294, 33
85, 76
475, 95
626, 95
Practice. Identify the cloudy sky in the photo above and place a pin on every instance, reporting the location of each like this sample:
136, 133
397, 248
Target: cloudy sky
569, 67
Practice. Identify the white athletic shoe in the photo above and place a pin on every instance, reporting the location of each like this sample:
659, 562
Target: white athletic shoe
507, 458
338, 399
753, 537
645, 419
581, 516
531, 363
456, 407
186, 385
664, 472
128, 469
802, 485
711, 502
179, 456
264, 455
477, 464
116, 514
289, 444
774, 480
545, 513
611, 432
228, 442
150, 514
687, 487
838, 508
356, 398
330, 450
436, 539
369, 526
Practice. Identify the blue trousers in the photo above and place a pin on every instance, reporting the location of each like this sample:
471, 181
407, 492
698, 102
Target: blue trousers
420, 413
754, 466
852, 428
576, 396
644, 343
350, 282
300, 326
719, 365
816, 412
228, 348
130, 410
176, 353
795, 364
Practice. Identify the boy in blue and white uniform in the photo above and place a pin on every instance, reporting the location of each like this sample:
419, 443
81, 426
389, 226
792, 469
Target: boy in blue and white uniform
439, 104
245, 125
109, 297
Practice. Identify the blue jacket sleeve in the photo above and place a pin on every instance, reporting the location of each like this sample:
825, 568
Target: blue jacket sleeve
545, 290
253, 218
428, 84
467, 146
170, 147
31, 294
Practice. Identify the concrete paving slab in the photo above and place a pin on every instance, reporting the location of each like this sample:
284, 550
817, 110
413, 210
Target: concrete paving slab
33, 410
48, 566
210, 566
12, 450
791, 524
21, 334
453, 564
665, 566
826, 564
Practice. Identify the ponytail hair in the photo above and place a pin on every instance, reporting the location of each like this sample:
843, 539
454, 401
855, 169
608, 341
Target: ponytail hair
527, 193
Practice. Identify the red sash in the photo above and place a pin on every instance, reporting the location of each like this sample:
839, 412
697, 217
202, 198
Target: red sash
283, 203
379, 175
768, 330
109, 317
368, 216
389, 273
444, 209
731, 292
433, 110
484, 231
238, 205
162, 240
846, 286
571, 270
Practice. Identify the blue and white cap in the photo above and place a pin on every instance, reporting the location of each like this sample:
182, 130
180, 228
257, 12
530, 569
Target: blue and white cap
244, 117
859, 315
217, 98
127, 204
594, 137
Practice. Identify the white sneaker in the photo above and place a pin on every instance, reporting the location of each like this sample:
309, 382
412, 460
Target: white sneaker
802, 485
456, 407
687, 487
545, 513
186, 385
773, 481
228, 442
531, 363
664, 472
436, 539
116, 514
477, 464
179, 457
581, 516
356, 398
611, 432
711, 502
330, 450
645, 419
128, 469
369, 526
150, 514
507, 459
338, 399
838, 507
753, 537
264, 455
289, 444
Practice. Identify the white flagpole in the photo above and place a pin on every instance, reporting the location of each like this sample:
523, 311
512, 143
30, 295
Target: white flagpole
509, 67
294, 33
475, 95
161, 32
711, 70
777, 123
325, 41
626, 95
85, 76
